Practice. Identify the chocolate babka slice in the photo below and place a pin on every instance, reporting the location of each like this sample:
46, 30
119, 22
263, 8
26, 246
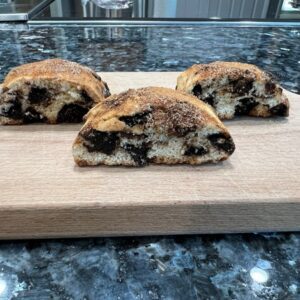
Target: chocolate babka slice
151, 125
50, 91
235, 89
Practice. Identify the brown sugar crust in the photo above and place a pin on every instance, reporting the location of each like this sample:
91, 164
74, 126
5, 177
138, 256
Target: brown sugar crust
59, 70
182, 110
234, 70
171, 110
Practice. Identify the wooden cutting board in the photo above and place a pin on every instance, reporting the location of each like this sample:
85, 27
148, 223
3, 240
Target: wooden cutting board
43, 194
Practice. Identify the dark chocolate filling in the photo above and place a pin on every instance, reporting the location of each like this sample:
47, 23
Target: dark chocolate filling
220, 141
106, 91
279, 110
71, 113
137, 137
245, 106
241, 86
39, 95
86, 97
140, 118
182, 131
32, 116
100, 141
199, 151
255, 93
197, 90
270, 88
96, 76
209, 100
11, 109
138, 153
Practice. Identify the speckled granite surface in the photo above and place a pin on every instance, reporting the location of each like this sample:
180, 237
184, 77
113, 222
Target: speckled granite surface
208, 267
252, 266
277, 50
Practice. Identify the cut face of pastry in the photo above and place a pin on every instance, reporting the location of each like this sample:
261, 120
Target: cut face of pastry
235, 89
51, 91
151, 125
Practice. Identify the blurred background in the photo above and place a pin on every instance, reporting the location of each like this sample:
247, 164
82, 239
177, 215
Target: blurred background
155, 9
222, 9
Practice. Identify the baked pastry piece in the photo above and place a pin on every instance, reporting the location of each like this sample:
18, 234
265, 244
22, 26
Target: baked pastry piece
51, 91
151, 125
235, 89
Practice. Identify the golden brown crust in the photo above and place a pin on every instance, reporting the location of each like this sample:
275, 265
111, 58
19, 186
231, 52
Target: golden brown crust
234, 70
59, 70
171, 109
217, 70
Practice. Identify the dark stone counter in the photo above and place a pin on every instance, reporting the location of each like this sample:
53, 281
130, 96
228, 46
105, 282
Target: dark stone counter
275, 49
249, 266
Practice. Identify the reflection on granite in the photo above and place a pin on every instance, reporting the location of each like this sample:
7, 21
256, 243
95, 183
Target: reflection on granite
261, 266
276, 49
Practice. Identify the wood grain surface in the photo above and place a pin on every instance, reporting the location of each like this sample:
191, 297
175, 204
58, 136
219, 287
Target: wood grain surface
43, 194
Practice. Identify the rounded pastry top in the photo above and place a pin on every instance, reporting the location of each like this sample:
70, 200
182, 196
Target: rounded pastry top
59, 70
163, 108
231, 69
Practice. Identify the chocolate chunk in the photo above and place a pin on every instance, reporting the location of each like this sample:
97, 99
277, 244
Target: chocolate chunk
270, 88
255, 93
32, 116
71, 113
209, 100
182, 131
86, 97
39, 95
140, 118
199, 151
96, 76
138, 153
106, 90
245, 106
197, 90
129, 135
11, 109
220, 141
101, 141
241, 86
279, 110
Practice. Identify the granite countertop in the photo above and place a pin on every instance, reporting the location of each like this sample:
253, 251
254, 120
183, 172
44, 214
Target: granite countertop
249, 266
276, 50
244, 266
